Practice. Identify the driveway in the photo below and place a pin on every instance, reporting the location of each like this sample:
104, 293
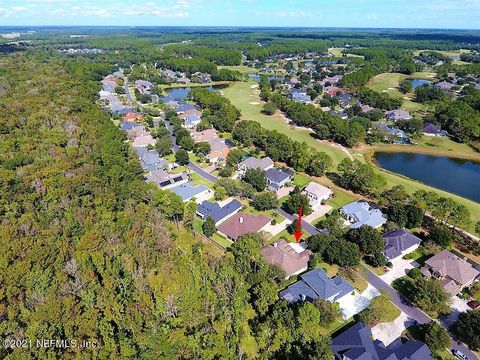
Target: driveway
318, 212
353, 304
458, 306
400, 268
389, 332
284, 191
277, 228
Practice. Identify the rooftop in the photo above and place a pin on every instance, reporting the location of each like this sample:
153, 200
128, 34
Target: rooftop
282, 254
243, 223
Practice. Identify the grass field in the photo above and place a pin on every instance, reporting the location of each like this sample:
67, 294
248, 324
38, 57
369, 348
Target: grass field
243, 69
434, 146
389, 82
245, 96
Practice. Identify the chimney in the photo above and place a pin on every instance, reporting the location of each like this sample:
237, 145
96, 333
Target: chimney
241, 219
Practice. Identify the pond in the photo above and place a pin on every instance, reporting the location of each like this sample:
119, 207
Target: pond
457, 176
270, 78
419, 82
181, 93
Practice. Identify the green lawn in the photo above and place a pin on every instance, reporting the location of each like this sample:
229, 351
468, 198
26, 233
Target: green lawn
300, 179
389, 312
245, 96
222, 241
340, 198
198, 180
243, 69
289, 237
389, 82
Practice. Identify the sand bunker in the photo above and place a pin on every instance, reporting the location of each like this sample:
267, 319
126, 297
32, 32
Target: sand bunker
254, 103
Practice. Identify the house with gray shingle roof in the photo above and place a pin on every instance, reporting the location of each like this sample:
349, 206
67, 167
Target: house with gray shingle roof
319, 285
254, 163
362, 212
399, 242
150, 159
277, 178
398, 114
189, 191
357, 343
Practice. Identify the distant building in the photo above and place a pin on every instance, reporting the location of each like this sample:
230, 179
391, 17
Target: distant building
396, 115
218, 151
150, 159
398, 135
205, 135
133, 117
444, 85
144, 87
362, 212
433, 130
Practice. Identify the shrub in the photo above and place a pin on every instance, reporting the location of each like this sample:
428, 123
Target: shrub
414, 273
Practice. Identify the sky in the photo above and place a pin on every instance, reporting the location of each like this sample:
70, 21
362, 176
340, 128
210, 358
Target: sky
452, 14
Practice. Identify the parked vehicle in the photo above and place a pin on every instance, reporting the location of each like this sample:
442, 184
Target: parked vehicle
459, 354
474, 304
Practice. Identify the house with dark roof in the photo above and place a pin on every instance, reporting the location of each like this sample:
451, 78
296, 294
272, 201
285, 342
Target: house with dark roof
362, 212
317, 284
184, 107
433, 130
217, 212
188, 192
300, 96
282, 254
277, 178
241, 224
357, 343
452, 272
398, 114
191, 120
399, 242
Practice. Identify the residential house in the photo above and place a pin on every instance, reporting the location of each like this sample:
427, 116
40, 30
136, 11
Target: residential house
398, 114
280, 253
241, 224
445, 85
137, 131
300, 96
144, 140
316, 284
205, 135
191, 121
399, 242
346, 100
218, 151
133, 117
217, 212
361, 212
452, 272
184, 80
394, 135
150, 159
184, 107
277, 178
188, 191
254, 163
357, 343
367, 108
144, 87
331, 80
127, 125
165, 180
333, 90
317, 193
433, 130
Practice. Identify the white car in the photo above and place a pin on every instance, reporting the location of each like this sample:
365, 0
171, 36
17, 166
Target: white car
459, 354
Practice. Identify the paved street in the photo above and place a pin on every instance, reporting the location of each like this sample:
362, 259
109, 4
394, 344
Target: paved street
410, 310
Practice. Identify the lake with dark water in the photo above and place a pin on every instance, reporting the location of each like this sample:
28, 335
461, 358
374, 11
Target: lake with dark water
457, 176
182, 93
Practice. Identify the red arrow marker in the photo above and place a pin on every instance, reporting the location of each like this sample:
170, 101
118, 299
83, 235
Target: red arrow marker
298, 234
